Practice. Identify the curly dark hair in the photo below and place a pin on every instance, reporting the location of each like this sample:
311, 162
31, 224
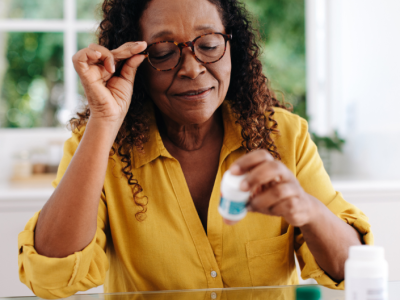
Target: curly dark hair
250, 98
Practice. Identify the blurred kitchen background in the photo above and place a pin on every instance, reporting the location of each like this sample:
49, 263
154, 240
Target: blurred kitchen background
336, 61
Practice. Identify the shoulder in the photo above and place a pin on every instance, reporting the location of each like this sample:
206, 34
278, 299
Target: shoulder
289, 123
291, 136
76, 136
78, 131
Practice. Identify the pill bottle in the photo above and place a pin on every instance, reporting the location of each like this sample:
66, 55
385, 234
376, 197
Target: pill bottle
366, 273
233, 200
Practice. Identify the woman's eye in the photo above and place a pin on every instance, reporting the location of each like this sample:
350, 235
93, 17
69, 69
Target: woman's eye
162, 55
208, 47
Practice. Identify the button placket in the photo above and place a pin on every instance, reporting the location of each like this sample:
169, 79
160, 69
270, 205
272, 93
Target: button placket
188, 209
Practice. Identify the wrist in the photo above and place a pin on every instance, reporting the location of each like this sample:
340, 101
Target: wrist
111, 127
313, 212
102, 131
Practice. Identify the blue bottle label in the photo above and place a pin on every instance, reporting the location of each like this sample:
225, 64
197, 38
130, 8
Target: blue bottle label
233, 208
224, 203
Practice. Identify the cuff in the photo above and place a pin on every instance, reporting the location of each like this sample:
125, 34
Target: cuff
311, 269
352, 216
39, 272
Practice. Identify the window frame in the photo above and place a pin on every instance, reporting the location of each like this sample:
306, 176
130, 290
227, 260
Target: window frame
70, 26
326, 106
317, 58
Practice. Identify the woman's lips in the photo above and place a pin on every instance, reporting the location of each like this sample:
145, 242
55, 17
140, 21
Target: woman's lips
200, 94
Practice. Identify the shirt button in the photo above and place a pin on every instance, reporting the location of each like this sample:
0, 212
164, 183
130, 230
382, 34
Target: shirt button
213, 274
213, 295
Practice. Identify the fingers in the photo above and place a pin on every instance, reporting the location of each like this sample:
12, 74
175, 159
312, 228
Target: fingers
229, 222
127, 50
286, 208
84, 58
92, 56
266, 200
249, 161
264, 174
106, 57
130, 51
130, 67
96, 53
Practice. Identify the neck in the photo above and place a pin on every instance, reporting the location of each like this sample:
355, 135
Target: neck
191, 137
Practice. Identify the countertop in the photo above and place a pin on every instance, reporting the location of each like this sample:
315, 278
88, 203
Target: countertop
269, 293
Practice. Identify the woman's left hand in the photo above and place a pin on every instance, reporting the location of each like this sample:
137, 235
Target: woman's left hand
274, 189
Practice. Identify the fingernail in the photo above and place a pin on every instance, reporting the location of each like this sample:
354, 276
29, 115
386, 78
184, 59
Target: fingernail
277, 179
244, 185
113, 69
235, 169
98, 54
141, 43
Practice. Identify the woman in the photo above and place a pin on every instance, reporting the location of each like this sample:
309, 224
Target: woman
146, 212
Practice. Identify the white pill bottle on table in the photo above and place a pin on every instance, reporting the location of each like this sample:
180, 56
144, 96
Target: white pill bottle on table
233, 200
366, 274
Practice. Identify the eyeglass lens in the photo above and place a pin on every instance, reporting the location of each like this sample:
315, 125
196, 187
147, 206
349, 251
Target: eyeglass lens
207, 49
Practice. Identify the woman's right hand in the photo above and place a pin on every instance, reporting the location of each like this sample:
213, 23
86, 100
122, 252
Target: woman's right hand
108, 96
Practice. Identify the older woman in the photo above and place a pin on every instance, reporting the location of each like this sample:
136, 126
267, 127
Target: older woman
144, 216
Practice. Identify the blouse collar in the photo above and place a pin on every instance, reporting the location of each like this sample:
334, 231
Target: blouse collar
154, 147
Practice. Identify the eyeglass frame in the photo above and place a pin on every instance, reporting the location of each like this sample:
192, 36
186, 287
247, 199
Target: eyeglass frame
189, 44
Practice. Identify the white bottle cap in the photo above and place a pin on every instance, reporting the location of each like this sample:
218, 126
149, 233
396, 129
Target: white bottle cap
366, 253
233, 180
230, 187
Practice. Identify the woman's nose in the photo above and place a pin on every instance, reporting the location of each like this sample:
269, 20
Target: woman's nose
189, 66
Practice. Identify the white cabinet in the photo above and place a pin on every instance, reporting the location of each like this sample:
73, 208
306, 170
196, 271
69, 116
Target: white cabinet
380, 201
11, 223
17, 206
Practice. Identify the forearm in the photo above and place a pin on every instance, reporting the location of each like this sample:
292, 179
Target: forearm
68, 221
329, 239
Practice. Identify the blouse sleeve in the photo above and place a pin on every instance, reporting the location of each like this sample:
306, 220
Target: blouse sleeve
315, 181
52, 278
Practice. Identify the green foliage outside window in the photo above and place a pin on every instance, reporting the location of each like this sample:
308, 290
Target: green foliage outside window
89, 9
32, 89
282, 27
34, 9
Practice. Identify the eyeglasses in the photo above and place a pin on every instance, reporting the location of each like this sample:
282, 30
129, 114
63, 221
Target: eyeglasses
207, 49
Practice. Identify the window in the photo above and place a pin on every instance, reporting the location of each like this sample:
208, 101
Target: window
38, 84
39, 87
282, 27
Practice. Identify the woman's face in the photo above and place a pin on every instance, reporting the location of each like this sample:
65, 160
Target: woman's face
182, 21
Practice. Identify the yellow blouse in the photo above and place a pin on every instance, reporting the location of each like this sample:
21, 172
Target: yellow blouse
170, 250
